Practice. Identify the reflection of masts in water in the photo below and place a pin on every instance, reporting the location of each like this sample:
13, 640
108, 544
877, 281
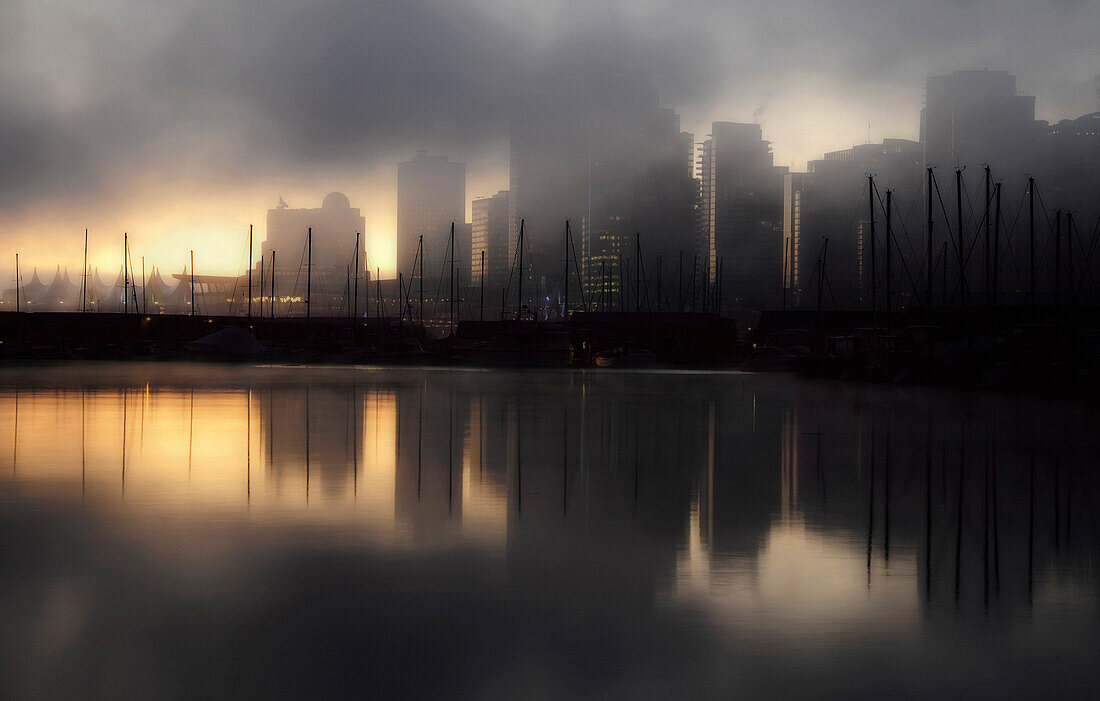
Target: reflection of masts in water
886, 499
636, 458
928, 506
564, 456
248, 439
271, 436
519, 460
124, 442
959, 512
871, 509
307, 444
450, 447
82, 460
985, 521
1031, 526
15, 440
996, 528
190, 433
354, 443
419, 438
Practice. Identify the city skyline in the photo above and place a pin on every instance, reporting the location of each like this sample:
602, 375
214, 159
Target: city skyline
380, 240
85, 147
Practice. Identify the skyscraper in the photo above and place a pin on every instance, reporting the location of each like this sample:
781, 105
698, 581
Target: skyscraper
431, 195
489, 235
741, 218
972, 118
600, 151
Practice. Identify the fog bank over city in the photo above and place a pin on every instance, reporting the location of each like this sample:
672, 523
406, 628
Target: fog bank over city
184, 122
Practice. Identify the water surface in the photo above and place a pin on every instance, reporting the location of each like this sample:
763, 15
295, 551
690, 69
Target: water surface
175, 530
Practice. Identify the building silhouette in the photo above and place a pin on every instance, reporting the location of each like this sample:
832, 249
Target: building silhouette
977, 117
829, 201
740, 219
431, 195
334, 227
597, 149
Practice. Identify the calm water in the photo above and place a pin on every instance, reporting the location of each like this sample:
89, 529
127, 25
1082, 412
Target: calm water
196, 531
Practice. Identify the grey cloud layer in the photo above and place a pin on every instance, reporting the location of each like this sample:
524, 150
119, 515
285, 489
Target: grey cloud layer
93, 94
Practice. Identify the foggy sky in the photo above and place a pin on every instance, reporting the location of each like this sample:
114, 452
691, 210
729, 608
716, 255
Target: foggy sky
127, 112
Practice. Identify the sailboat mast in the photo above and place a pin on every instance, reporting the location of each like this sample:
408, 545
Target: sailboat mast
959, 236
249, 271
889, 247
355, 292
125, 274
309, 269
84, 277
519, 290
262, 275
1057, 259
451, 300
996, 244
192, 283
931, 272
871, 210
565, 313
988, 274
1031, 238
420, 260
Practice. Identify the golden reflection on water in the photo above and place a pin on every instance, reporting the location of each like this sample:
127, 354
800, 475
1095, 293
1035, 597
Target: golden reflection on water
276, 451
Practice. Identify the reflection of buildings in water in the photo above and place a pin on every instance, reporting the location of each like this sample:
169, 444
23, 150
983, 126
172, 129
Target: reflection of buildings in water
673, 477
332, 439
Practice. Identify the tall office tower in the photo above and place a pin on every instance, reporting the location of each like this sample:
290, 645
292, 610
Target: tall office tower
431, 194
972, 118
489, 235
600, 151
742, 218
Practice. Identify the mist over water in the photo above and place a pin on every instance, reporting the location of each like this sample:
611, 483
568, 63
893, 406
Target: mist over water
194, 530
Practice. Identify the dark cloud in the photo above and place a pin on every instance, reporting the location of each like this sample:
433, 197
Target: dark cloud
94, 95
